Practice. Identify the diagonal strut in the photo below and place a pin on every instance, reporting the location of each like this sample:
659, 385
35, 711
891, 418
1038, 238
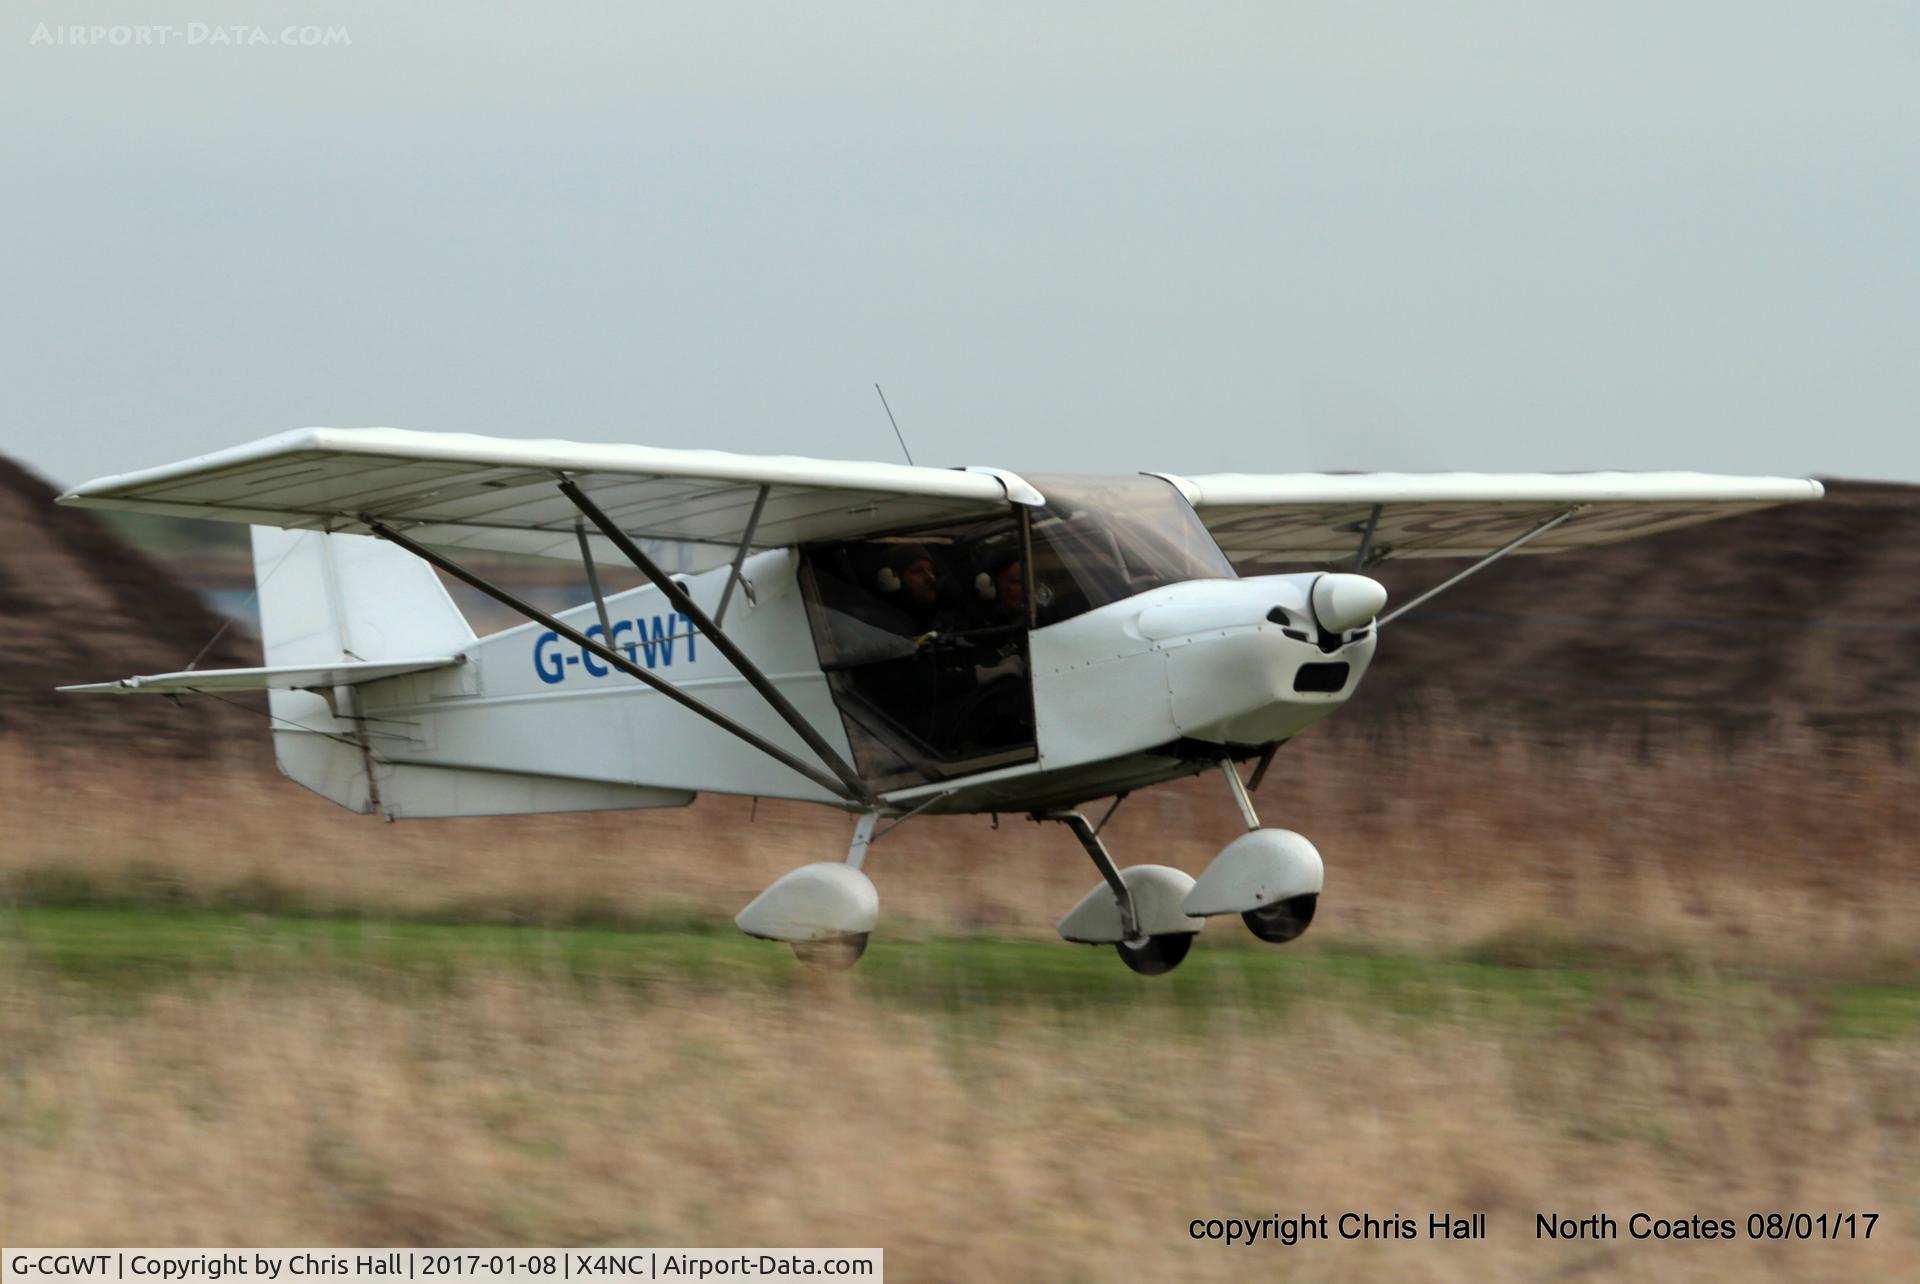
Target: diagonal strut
735, 656
618, 661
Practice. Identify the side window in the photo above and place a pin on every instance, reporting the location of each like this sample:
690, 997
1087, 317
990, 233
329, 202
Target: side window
923, 636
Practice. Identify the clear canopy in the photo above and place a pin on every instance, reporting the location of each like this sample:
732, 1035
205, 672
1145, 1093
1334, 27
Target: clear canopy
1102, 539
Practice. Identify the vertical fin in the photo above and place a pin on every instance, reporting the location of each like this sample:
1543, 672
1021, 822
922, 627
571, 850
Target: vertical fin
325, 598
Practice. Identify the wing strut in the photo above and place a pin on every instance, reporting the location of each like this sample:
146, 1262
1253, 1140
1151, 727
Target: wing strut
746, 542
1365, 550
593, 580
735, 656
607, 654
1482, 564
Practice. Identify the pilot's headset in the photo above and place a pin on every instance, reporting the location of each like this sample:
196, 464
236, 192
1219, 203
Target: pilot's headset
887, 578
986, 584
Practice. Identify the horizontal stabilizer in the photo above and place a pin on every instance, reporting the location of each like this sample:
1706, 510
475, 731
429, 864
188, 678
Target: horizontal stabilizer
273, 678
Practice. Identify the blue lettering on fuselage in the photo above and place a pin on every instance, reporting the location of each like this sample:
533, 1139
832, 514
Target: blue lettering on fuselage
647, 640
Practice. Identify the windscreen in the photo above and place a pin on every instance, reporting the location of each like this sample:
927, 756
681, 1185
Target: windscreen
1101, 539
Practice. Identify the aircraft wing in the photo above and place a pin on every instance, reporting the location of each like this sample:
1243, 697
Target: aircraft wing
689, 508
346, 673
1263, 520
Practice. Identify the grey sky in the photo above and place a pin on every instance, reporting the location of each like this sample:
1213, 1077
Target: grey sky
1098, 236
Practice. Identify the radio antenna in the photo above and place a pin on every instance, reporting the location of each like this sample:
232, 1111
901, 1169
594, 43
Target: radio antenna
895, 422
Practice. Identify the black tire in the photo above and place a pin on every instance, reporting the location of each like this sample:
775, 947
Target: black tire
1157, 955
1282, 921
837, 954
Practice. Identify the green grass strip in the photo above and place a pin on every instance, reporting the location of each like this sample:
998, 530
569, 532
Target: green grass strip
133, 950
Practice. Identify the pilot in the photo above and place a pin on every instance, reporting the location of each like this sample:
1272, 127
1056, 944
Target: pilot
909, 584
919, 579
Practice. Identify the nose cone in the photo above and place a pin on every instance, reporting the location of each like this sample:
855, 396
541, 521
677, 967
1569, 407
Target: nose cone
1342, 602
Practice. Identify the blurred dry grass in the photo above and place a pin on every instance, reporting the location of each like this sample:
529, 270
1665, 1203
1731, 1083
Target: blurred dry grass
1794, 855
517, 1110
504, 1107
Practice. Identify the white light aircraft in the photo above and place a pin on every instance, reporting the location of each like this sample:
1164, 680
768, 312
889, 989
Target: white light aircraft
887, 639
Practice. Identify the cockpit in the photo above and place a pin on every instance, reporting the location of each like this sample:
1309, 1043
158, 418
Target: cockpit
923, 633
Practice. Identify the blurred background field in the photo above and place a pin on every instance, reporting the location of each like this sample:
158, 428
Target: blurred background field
1045, 1141
1620, 915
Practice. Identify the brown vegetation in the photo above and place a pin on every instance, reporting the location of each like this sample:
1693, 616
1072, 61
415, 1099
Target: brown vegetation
1778, 859
513, 1110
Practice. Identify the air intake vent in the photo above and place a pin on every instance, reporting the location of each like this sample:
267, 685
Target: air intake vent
1322, 678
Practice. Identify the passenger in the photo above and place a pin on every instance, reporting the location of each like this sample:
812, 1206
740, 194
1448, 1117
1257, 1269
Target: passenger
1000, 618
1007, 576
996, 710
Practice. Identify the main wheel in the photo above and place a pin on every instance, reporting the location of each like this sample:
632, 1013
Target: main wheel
1282, 921
1157, 955
838, 953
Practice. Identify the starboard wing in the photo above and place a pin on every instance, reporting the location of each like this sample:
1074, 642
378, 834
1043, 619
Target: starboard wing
1267, 520
691, 508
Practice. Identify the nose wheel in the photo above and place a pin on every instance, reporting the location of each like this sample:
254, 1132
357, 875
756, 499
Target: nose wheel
1282, 921
1271, 878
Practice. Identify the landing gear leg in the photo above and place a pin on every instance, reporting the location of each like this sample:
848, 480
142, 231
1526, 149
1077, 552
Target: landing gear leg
1097, 851
1123, 918
862, 839
841, 952
1240, 794
1270, 877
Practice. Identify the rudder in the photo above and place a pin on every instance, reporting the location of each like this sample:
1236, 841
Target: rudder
349, 597
325, 598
